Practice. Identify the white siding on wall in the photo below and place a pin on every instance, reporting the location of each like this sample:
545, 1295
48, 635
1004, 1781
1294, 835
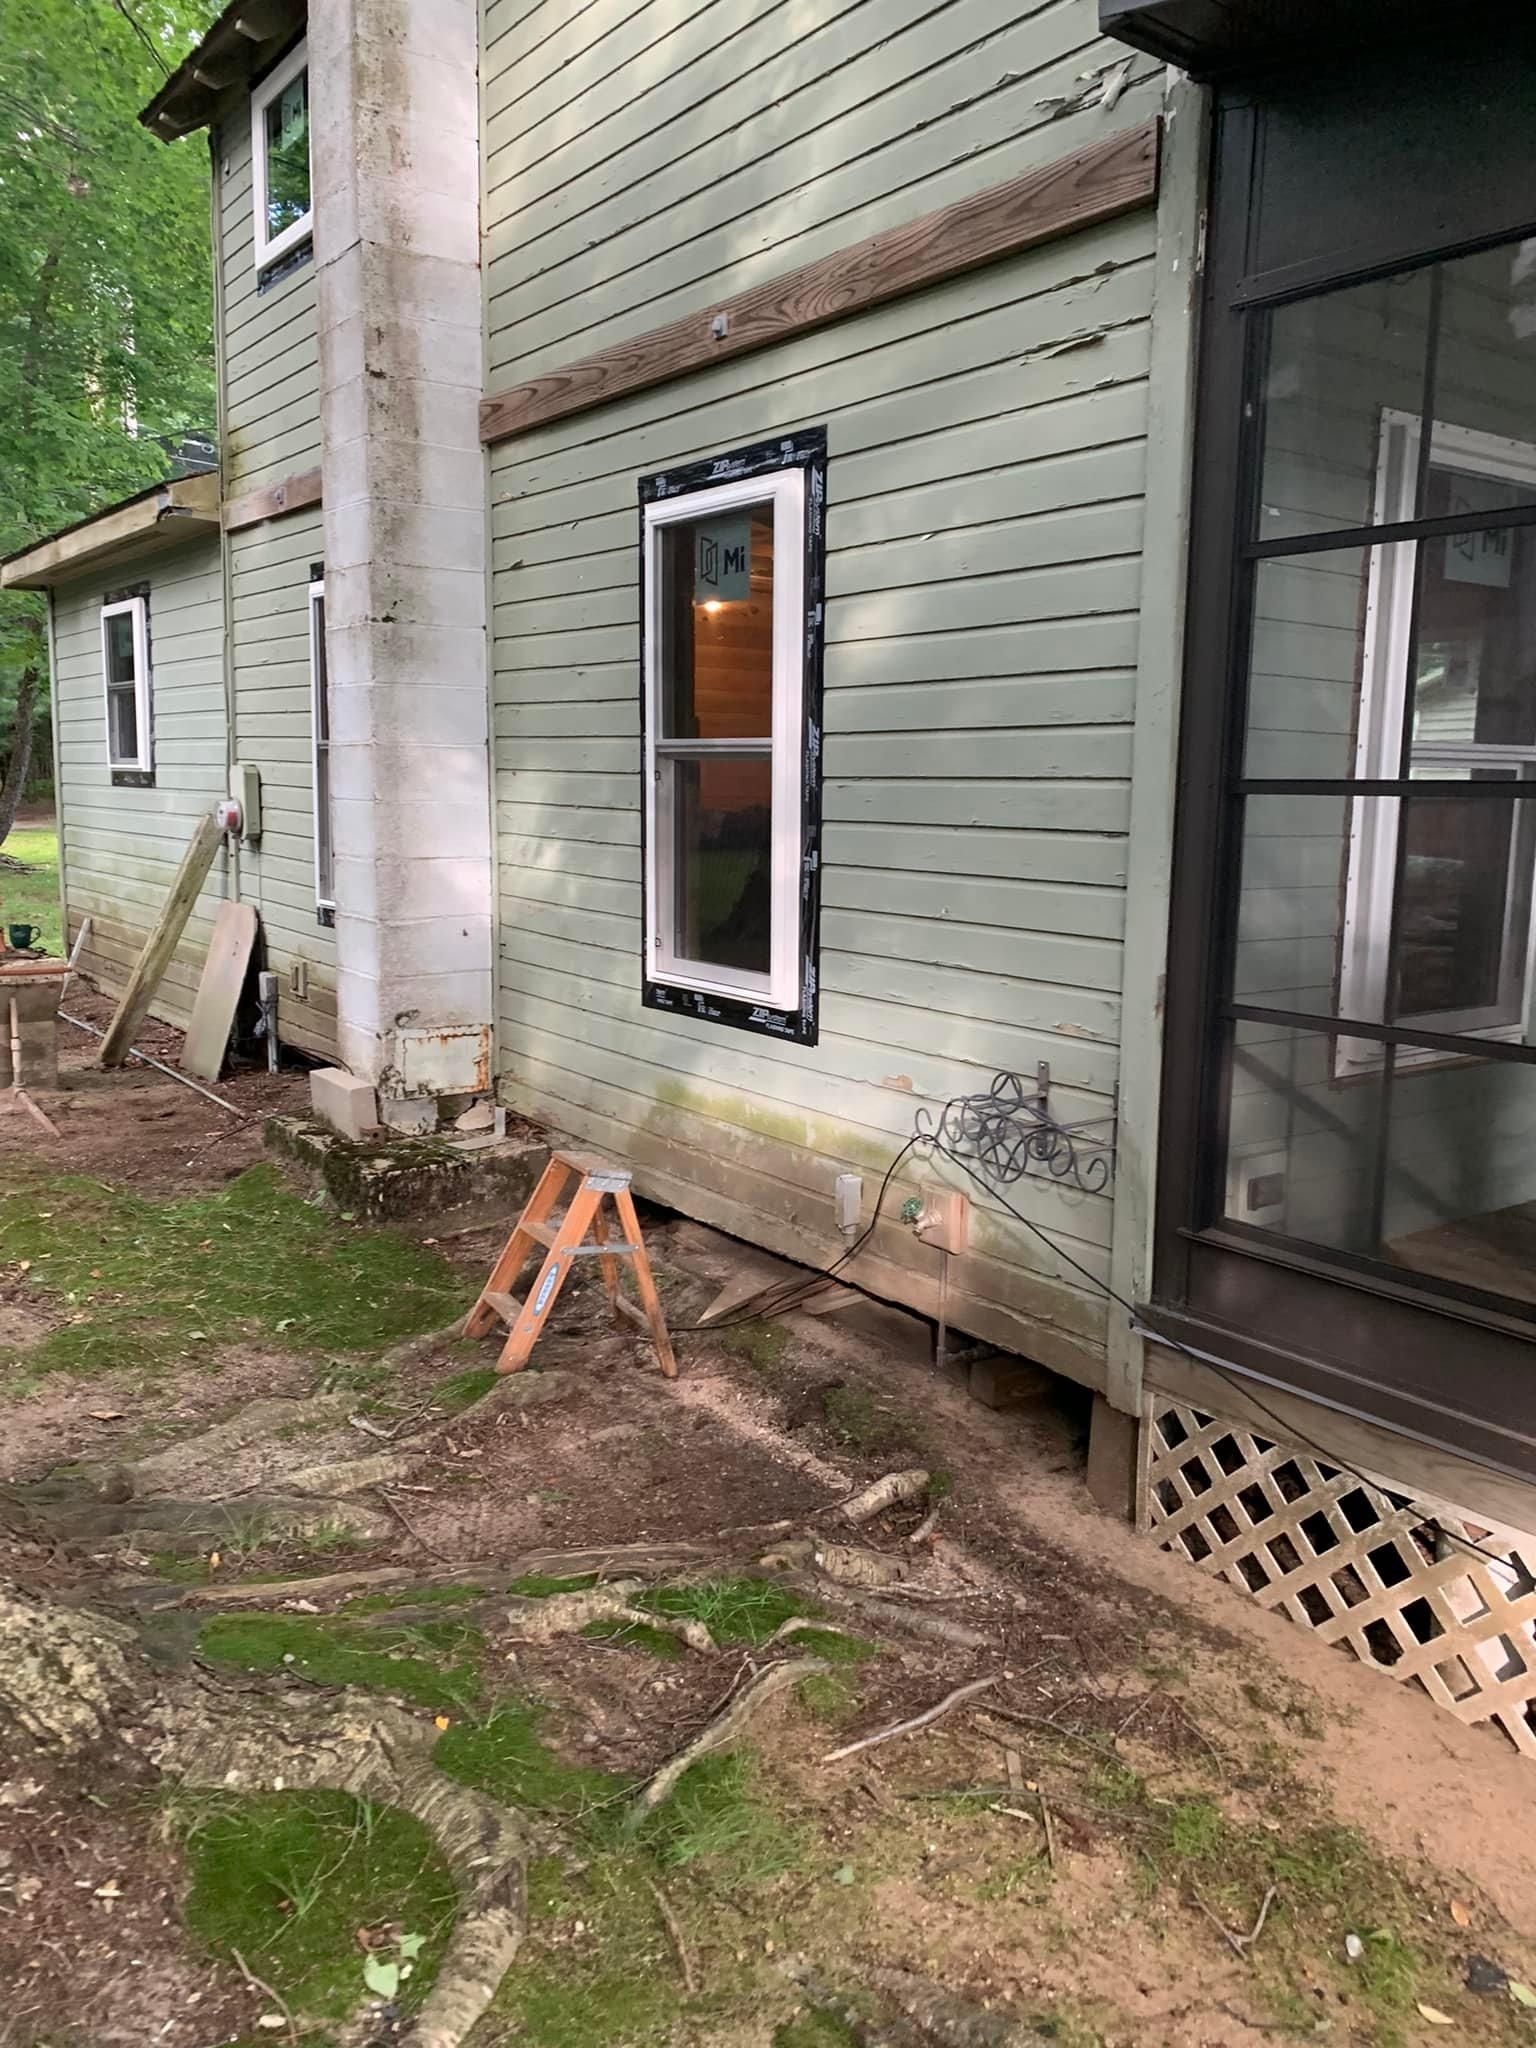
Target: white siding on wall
121, 847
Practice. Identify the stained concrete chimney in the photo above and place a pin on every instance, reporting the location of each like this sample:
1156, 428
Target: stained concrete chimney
395, 156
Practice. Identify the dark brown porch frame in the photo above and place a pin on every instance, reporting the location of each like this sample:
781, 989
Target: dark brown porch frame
1093, 184
1448, 1368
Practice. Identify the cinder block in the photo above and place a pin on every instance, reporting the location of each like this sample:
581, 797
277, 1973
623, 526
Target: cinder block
1001, 1382
347, 1104
410, 1116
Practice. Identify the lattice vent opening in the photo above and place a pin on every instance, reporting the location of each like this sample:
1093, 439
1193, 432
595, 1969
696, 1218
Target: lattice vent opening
1356, 1560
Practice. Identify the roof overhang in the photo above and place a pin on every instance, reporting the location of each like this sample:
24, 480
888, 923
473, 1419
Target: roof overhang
162, 517
1218, 38
237, 44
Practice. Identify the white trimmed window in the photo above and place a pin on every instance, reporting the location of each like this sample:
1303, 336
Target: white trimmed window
280, 180
725, 702
1437, 696
320, 714
125, 673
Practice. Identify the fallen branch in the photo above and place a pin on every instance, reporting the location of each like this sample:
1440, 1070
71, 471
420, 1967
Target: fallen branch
937, 1627
926, 1719
888, 1492
674, 1933
1240, 1944
567, 1614
724, 1728
1050, 1829
267, 1991
925, 1527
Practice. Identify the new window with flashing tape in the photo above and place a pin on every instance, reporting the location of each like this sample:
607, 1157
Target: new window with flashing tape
732, 555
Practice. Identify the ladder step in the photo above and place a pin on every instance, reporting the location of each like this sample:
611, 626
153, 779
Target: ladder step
633, 1311
541, 1233
506, 1307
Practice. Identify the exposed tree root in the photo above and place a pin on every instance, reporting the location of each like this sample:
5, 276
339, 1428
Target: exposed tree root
888, 1492
724, 1729
567, 1614
64, 1676
847, 1564
207, 1455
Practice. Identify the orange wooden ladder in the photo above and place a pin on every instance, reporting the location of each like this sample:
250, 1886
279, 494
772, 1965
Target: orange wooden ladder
564, 1243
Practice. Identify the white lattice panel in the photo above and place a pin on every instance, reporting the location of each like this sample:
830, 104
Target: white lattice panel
1353, 1561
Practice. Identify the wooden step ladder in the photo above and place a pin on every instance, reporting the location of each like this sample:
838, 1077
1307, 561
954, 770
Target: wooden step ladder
564, 1243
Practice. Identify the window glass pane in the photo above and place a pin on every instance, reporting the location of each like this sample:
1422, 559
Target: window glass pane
286, 120
1308, 647
1459, 1186
322, 676
717, 626
120, 648
1464, 912
1291, 900
723, 860
1301, 1144
123, 725
1476, 655
1333, 364
1485, 367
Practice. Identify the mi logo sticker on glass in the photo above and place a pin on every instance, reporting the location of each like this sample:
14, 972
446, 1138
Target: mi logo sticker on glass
722, 559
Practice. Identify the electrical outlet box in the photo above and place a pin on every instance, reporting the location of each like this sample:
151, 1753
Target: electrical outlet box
849, 1201
946, 1219
298, 980
245, 789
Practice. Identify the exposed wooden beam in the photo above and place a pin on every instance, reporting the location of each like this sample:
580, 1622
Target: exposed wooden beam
162, 942
1093, 184
292, 494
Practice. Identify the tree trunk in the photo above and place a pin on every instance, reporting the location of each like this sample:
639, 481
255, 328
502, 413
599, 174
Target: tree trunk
21, 751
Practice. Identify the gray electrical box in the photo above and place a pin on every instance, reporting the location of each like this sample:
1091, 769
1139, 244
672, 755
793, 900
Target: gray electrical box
245, 788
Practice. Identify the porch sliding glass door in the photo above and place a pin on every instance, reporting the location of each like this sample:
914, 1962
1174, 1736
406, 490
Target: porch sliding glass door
1371, 1095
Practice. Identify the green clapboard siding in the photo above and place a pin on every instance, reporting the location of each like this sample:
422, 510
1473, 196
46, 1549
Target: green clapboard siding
269, 639
985, 515
120, 848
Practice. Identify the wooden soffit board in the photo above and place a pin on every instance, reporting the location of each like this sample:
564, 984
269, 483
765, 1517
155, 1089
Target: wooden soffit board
162, 517
291, 494
1093, 184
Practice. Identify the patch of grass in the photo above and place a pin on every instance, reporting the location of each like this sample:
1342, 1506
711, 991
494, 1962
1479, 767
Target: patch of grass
425, 1664
503, 1755
814, 2029
595, 1972
858, 1420
540, 1586
1027, 1876
462, 1390
833, 1647
158, 1280
34, 898
717, 1818
636, 1636
288, 1878
827, 1696
733, 1610
179, 1569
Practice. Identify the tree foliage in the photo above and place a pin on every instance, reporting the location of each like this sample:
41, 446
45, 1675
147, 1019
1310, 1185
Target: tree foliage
106, 318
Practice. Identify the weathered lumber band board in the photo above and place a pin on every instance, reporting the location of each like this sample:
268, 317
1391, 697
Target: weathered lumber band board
292, 494
1091, 185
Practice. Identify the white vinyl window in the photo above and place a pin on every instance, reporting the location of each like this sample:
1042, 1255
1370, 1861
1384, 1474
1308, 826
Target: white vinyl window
125, 676
320, 714
280, 179
1435, 687
725, 639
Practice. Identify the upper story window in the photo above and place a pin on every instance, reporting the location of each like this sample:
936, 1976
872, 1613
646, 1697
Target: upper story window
125, 673
732, 559
280, 181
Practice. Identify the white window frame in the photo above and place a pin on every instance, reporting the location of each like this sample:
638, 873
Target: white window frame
1384, 695
270, 249
320, 750
779, 989
137, 608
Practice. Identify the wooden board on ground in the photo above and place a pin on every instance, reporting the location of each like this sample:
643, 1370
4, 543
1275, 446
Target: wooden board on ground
162, 942
218, 991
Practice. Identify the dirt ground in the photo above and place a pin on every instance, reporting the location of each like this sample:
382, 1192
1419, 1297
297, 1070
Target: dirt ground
1080, 1852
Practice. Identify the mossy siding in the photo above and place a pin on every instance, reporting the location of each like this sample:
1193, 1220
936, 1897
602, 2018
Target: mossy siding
984, 526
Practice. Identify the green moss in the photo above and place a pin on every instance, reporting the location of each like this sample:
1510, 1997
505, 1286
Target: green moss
636, 1636
287, 1878
462, 1390
864, 1424
157, 1281
827, 1696
761, 1343
833, 1647
733, 1610
503, 1755
596, 1971
814, 2029
425, 1664
540, 1586
417, 1596
180, 1569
